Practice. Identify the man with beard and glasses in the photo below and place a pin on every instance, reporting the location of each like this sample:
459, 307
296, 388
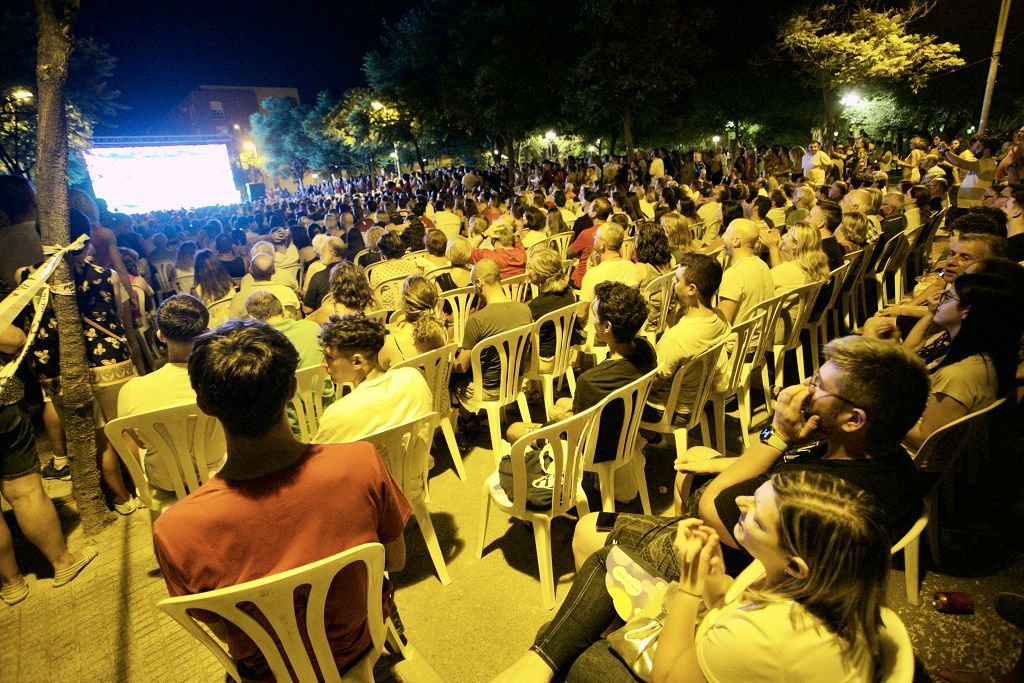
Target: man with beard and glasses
847, 420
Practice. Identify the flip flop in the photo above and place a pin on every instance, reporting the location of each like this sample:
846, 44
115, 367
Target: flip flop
65, 576
14, 593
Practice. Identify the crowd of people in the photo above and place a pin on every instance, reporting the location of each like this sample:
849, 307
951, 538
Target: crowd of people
242, 297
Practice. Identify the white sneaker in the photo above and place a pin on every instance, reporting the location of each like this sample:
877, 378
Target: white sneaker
127, 507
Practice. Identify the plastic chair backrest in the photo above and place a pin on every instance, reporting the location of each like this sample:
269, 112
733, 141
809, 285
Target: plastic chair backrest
628, 247
358, 258
434, 273
436, 367
946, 443
855, 259
836, 280
711, 231
796, 309
182, 435
893, 255
743, 337
560, 242
564, 321
184, 283
511, 348
379, 315
698, 372
220, 310
388, 293
764, 339
661, 287
274, 597
163, 272
404, 449
633, 397
308, 401
460, 302
568, 442
516, 287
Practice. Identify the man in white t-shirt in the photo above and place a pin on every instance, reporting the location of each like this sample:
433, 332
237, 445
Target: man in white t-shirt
379, 399
815, 164
657, 167
748, 281
446, 220
611, 267
180, 319
710, 211
696, 280
981, 170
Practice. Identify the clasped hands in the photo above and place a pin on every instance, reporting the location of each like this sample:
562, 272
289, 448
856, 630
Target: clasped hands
699, 554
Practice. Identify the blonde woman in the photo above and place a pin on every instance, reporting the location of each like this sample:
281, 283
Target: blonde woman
544, 269
680, 234
419, 301
797, 258
853, 232
460, 253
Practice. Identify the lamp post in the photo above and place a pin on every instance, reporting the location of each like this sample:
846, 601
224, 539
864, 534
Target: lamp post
552, 150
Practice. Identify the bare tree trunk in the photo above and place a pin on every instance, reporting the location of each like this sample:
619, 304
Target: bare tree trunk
55, 21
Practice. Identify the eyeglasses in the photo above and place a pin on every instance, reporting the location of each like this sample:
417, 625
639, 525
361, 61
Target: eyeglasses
946, 296
820, 388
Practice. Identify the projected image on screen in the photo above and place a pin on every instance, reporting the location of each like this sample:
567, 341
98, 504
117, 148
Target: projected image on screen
138, 179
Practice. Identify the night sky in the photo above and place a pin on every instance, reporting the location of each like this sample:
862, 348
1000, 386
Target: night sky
165, 49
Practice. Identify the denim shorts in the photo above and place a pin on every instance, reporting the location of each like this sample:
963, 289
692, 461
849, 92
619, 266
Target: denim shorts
18, 456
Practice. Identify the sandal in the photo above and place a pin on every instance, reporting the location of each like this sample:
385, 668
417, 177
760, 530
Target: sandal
64, 576
14, 593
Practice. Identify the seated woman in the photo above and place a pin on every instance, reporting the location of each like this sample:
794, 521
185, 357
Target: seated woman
534, 228
544, 269
653, 259
796, 258
350, 293
419, 301
852, 234
393, 265
435, 243
680, 234
233, 261
973, 358
184, 263
810, 608
212, 283
459, 253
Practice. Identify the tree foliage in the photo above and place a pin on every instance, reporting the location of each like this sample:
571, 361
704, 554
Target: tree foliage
844, 44
292, 138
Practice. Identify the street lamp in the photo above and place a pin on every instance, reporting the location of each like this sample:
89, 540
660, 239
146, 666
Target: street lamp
550, 135
716, 139
19, 97
22, 95
249, 146
376, 104
850, 99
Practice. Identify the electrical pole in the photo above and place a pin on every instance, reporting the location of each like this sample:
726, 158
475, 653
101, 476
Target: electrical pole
997, 48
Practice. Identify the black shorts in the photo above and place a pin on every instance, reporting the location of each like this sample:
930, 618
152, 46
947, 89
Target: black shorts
18, 456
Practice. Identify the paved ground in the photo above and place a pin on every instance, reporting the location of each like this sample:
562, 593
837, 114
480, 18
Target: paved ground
104, 626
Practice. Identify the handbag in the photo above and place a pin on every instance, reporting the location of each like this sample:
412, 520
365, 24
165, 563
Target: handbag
636, 642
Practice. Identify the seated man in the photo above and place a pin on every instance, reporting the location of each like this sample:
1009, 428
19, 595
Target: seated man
861, 403
696, 280
506, 252
610, 266
179, 320
500, 314
618, 314
277, 504
262, 270
378, 399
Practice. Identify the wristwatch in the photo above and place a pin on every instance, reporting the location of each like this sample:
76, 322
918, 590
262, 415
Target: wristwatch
770, 438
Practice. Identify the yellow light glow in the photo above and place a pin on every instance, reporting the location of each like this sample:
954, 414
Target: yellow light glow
21, 94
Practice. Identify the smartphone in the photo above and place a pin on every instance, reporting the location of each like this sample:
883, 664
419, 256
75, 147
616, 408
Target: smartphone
606, 520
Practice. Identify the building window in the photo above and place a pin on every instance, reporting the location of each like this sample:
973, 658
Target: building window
216, 109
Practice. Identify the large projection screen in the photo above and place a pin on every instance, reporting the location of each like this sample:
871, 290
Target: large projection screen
140, 179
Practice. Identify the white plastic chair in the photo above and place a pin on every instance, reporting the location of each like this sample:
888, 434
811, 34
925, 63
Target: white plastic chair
935, 457
182, 436
436, 367
628, 247
568, 441
659, 289
511, 348
360, 255
797, 305
818, 327
516, 287
852, 300
163, 272
388, 293
405, 449
678, 418
460, 302
220, 310
308, 401
564, 322
897, 652
560, 242
274, 597
743, 338
633, 399
183, 283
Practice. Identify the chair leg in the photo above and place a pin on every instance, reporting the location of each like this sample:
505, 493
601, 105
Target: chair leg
419, 508
815, 353
606, 482
719, 409
637, 467
542, 539
766, 387
395, 641
911, 557
680, 437
570, 377
485, 512
704, 430
524, 408
494, 427
801, 370
743, 400
547, 384
448, 429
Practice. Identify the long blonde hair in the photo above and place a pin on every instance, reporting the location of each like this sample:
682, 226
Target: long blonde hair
834, 527
807, 251
680, 235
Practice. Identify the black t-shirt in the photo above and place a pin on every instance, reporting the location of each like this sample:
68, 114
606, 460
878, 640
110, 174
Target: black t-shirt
891, 480
317, 288
834, 251
599, 381
235, 267
1015, 247
582, 223
541, 306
